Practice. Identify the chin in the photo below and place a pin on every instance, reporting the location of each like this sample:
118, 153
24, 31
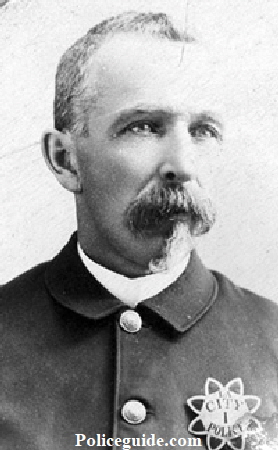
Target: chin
177, 245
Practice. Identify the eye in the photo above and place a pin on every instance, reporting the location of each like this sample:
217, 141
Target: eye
142, 127
203, 131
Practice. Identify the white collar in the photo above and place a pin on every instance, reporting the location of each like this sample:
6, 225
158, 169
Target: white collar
132, 290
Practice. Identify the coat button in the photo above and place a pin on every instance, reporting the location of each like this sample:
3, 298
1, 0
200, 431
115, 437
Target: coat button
134, 412
130, 321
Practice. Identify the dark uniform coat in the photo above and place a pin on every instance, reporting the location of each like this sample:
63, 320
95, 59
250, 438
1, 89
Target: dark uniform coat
70, 365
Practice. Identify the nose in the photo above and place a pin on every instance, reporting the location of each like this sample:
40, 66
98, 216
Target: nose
179, 159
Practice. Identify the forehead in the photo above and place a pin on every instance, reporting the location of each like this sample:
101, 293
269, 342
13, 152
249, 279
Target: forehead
130, 69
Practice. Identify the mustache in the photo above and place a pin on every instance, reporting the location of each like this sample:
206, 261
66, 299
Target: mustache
157, 205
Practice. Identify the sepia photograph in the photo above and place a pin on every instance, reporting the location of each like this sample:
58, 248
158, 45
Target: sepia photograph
139, 224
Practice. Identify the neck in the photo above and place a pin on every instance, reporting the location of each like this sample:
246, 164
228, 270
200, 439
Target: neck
138, 257
124, 264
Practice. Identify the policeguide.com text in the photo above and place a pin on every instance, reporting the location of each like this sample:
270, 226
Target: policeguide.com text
101, 440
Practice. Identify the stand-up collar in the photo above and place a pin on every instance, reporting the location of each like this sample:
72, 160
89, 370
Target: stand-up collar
181, 304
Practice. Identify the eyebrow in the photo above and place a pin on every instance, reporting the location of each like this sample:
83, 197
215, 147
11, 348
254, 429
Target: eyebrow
167, 112
127, 114
210, 117
207, 116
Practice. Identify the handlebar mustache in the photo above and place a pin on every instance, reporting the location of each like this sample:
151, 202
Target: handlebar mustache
156, 204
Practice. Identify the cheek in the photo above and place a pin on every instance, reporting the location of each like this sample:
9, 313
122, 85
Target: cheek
208, 166
138, 157
130, 166
109, 181
118, 170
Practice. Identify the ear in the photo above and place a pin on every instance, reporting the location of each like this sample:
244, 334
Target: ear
59, 153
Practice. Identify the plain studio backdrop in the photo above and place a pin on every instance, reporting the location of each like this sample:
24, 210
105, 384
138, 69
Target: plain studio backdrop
37, 215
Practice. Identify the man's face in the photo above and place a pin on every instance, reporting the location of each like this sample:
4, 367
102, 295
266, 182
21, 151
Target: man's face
154, 125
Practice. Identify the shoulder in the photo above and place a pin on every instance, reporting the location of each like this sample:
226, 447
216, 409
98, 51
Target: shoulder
248, 308
244, 297
24, 297
31, 286
27, 302
24, 284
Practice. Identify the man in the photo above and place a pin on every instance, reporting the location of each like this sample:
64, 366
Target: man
125, 336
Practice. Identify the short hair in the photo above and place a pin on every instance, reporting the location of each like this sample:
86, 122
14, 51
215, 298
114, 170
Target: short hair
71, 93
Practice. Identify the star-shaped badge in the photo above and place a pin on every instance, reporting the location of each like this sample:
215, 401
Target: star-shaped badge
222, 412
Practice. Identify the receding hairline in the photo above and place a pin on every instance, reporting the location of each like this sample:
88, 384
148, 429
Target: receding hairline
149, 38
71, 89
110, 39
98, 61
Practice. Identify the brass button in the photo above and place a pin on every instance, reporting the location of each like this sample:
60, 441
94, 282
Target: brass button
134, 412
130, 321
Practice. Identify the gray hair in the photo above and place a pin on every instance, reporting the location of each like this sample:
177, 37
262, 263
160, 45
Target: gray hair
72, 99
